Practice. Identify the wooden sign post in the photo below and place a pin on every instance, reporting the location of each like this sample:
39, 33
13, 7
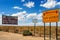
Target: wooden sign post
50, 16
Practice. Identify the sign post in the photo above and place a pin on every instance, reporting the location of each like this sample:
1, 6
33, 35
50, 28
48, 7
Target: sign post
44, 30
50, 16
34, 21
57, 27
56, 31
50, 31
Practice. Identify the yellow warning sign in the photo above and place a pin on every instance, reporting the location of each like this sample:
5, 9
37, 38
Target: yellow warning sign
51, 16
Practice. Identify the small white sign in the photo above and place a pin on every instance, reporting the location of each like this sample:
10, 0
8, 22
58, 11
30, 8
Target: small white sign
34, 21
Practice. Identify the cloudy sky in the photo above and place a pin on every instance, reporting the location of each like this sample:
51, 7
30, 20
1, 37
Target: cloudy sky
26, 10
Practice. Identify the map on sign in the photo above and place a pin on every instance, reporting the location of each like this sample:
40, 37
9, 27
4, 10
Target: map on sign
51, 16
9, 19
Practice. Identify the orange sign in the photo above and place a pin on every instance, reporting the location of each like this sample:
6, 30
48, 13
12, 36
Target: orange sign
51, 16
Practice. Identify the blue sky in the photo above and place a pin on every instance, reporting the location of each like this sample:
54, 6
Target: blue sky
26, 10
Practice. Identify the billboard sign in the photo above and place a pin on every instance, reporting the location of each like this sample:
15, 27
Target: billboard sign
9, 19
51, 16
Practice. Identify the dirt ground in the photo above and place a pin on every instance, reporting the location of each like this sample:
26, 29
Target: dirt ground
15, 36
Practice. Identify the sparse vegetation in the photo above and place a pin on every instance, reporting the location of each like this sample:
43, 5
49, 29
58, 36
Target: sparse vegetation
39, 29
27, 33
0, 30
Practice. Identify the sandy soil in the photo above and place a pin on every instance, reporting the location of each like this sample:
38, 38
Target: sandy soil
15, 36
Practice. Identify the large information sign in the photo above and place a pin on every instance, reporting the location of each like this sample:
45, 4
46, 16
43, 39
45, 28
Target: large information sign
51, 16
9, 19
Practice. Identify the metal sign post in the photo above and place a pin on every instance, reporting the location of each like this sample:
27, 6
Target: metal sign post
56, 31
44, 30
50, 30
34, 28
57, 26
34, 21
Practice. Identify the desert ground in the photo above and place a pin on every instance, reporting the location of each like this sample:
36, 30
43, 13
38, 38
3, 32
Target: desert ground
8, 33
15, 36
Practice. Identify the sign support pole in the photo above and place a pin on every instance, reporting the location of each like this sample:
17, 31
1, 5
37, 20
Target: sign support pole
34, 21
34, 28
56, 31
50, 30
44, 30
40, 32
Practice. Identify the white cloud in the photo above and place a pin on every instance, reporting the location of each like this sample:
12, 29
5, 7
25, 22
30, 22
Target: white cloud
0, 19
3, 13
58, 3
22, 0
26, 24
17, 7
35, 15
39, 24
32, 15
49, 4
42, 1
29, 4
39, 16
21, 15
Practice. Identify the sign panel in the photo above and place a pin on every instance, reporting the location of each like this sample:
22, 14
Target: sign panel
34, 21
9, 19
51, 16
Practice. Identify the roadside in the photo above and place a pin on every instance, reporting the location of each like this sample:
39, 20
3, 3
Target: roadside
15, 36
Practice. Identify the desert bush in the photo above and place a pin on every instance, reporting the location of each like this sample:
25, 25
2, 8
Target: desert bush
16, 31
0, 30
27, 33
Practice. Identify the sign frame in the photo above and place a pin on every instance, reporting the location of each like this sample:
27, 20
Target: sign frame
8, 19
